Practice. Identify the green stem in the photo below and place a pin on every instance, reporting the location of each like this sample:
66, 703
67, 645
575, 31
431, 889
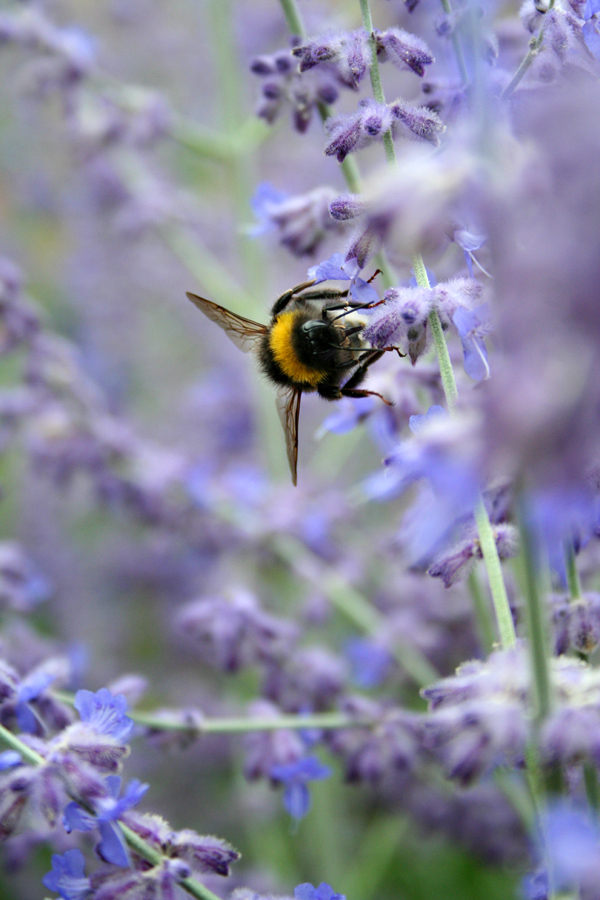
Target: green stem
534, 48
536, 625
491, 559
460, 59
482, 613
375, 76
293, 18
573, 581
11, 740
241, 725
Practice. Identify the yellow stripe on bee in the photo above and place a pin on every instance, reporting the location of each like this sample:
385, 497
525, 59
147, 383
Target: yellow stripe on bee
280, 341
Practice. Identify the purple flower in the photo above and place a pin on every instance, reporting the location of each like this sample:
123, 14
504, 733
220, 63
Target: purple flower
67, 876
30, 689
108, 809
370, 662
294, 777
473, 325
104, 713
323, 892
285, 85
301, 221
571, 840
349, 412
337, 269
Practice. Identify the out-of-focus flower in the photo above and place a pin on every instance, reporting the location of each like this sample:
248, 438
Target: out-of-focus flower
233, 632
301, 221
68, 877
479, 718
284, 85
370, 662
295, 777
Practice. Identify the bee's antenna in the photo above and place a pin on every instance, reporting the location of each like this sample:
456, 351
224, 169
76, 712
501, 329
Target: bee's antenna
355, 308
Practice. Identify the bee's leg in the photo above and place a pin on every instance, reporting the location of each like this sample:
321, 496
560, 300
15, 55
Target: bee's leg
351, 389
360, 392
281, 302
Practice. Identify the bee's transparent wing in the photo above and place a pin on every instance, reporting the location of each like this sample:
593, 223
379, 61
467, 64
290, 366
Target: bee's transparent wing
288, 407
243, 332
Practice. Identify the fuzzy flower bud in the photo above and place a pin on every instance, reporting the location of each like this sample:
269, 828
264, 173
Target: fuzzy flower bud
404, 50
345, 54
345, 207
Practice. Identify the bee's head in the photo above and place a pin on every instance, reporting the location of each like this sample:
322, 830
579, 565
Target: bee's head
322, 338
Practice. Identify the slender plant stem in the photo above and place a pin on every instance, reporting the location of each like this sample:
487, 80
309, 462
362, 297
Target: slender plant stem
487, 541
573, 581
535, 622
482, 613
293, 18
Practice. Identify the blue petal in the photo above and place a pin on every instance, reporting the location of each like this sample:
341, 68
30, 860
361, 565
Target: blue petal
28, 721
475, 358
296, 799
9, 759
77, 819
329, 270
112, 847
591, 36
265, 198
416, 423
305, 891
363, 292
469, 241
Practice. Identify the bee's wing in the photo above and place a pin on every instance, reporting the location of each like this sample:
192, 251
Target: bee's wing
288, 407
243, 332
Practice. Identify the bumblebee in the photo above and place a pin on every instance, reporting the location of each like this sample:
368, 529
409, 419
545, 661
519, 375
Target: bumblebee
310, 345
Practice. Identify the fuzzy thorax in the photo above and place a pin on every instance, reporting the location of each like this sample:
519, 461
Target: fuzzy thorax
281, 341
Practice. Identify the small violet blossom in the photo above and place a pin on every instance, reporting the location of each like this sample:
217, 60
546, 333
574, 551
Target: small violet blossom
112, 847
67, 877
310, 892
294, 776
104, 713
337, 269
